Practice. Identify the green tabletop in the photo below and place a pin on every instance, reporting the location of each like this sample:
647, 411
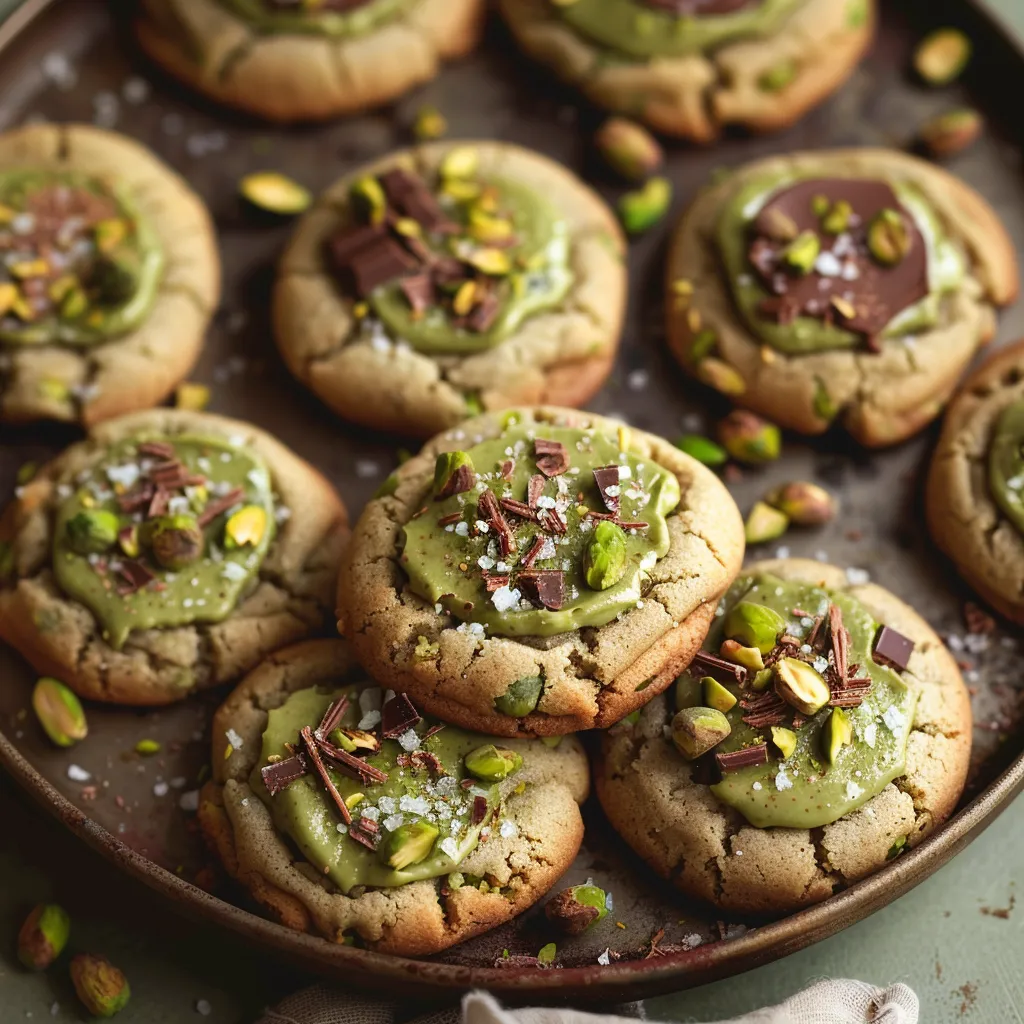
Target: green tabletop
955, 939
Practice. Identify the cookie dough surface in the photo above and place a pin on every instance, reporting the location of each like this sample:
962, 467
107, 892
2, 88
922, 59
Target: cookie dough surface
593, 676
517, 864
764, 78
561, 354
286, 599
137, 369
964, 516
708, 849
309, 75
879, 397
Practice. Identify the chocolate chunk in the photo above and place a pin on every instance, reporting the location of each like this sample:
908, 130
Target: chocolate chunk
893, 649
552, 457
398, 716
138, 498
281, 774
379, 264
547, 586
744, 758
605, 477
419, 290
459, 482
220, 505
490, 512
479, 809
534, 489
408, 193
346, 243
135, 575
485, 312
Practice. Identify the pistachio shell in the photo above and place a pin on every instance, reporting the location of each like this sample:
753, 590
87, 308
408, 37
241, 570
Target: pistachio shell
942, 56
801, 686
521, 697
785, 740
102, 988
604, 559
93, 531
409, 844
754, 625
246, 526
716, 695
695, 731
838, 733
491, 763
275, 193
43, 936
765, 523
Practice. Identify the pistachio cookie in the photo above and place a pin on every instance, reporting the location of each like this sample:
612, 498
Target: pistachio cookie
290, 61
445, 280
823, 730
168, 552
690, 67
347, 813
540, 572
974, 497
843, 285
109, 279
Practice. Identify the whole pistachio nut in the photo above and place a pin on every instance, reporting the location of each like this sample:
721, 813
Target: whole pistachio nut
837, 220
368, 199
102, 988
765, 523
838, 733
176, 541
695, 731
942, 56
492, 764
888, 238
629, 148
245, 527
604, 559
716, 696
275, 193
951, 133
521, 697
447, 464
784, 739
748, 657
703, 449
43, 936
409, 844
643, 208
749, 439
801, 686
59, 712
800, 255
578, 908
754, 625
804, 503
718, 374
93, 531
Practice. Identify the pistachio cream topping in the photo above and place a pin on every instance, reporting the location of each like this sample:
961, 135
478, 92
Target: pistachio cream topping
336, 18
454, 263
80, 264
798, 694
163, 531
1006, 463
642, 29
540, 531
372, 793
836, 263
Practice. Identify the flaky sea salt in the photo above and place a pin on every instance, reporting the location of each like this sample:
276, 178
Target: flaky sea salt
449, 847
783, 781
234, 739
505, 598
870, 734
853, 790
78, 774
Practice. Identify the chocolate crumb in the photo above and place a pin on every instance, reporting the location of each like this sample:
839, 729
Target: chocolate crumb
552, 456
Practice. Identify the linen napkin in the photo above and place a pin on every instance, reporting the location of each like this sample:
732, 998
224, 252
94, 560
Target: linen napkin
834, 1001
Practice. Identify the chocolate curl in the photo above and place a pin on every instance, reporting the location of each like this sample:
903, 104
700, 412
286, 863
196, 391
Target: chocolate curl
220, 505
318, 764
332, 718
135, 575
744, 758
534, 489
533, 554
492, 515
720, 669
352, 766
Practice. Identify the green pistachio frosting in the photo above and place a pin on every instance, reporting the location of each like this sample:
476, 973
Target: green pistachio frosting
800, 786
81, 263
418, 802
1006, 464
595, 568
318, 18
155, 541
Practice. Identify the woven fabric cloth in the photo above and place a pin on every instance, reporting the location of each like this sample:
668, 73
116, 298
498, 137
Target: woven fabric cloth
828, 1002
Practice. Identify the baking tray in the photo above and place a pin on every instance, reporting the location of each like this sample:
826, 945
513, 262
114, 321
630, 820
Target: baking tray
74, 60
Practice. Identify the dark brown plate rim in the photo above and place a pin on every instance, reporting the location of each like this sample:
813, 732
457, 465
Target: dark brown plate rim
629, 979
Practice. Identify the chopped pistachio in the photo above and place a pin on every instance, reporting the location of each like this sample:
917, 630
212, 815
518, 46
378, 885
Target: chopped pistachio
101, 987
547, 954
721, 376
492, 764
765, 523
888, 238
93, 531
951, 133
59, 711
846, 309
748, 438
409, 844
578, 908
805, 504
643, 209
605, 557
837, 220
425, 650
748, 657
754, 625
460, 162
43, 936
776, 79
246, 526
785, 740
521, 698
716, 696
128, 541
447, 465
493, 262
189, 395
464, 298
695, 731
820, 205
368, 199
354, 800
838, 733
942, 55
176, 540
486, 227
703, 449
275, 193
147, 748
801, 254
801, 686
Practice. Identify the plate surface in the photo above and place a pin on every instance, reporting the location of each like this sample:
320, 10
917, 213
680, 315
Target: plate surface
75, 62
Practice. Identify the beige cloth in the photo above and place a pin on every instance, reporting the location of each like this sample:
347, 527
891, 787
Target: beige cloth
827, 1002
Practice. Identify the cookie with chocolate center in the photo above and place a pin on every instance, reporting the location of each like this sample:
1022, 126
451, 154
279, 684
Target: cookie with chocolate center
288, 61
108, 279
823, 730
347, 813
540, 572
691, 67
849, 286
168, 552
445, 280
974, 493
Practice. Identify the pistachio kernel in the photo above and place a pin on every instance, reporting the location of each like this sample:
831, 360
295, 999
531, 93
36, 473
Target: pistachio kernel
605, 556
430, 124
703, 449
93, 531
837, 220
521, 698
765, 523
805, 504
762, 680
750, 439
409, 844
838, 733
802, 253
492, 764
801, 686
820, 205
942, 56
748, 657
246, 526
102, 988
888, 238
176, 541
721, 376
368, 199
128, 541
784, 740
275, 193
460, 162
578, 908
59, 711
189, 395
754, 625
493, 262
642, 209
43, 936
629, 148
147, 748
695, 731
716, 696
447, 465
777, 78
951, 133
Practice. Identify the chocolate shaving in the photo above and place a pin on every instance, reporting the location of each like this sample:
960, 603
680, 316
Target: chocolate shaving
814, 635
547, 586
318, 764
350, 765
840, 641
720, 669
533, 554
158, 449
485, 312
367, 839
765, 719
492, 515
430, 762
534, 489
893, 648
552, 456
520, 508
450, 520
433, 731
135, 575
332, 718
606, 477
419, 290
398, 716
479, 809
495, 581
460, 481
159, 503
506, 469
628, 525
549, 519
282, 774
220, 505
745, 758
137, 498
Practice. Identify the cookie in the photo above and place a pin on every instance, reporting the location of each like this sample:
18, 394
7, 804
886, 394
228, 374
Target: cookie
847, 286
282, 63
692, 67
973, 503
447, 280
116, 275
772, 788
538, 573
168, 552
459, 837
